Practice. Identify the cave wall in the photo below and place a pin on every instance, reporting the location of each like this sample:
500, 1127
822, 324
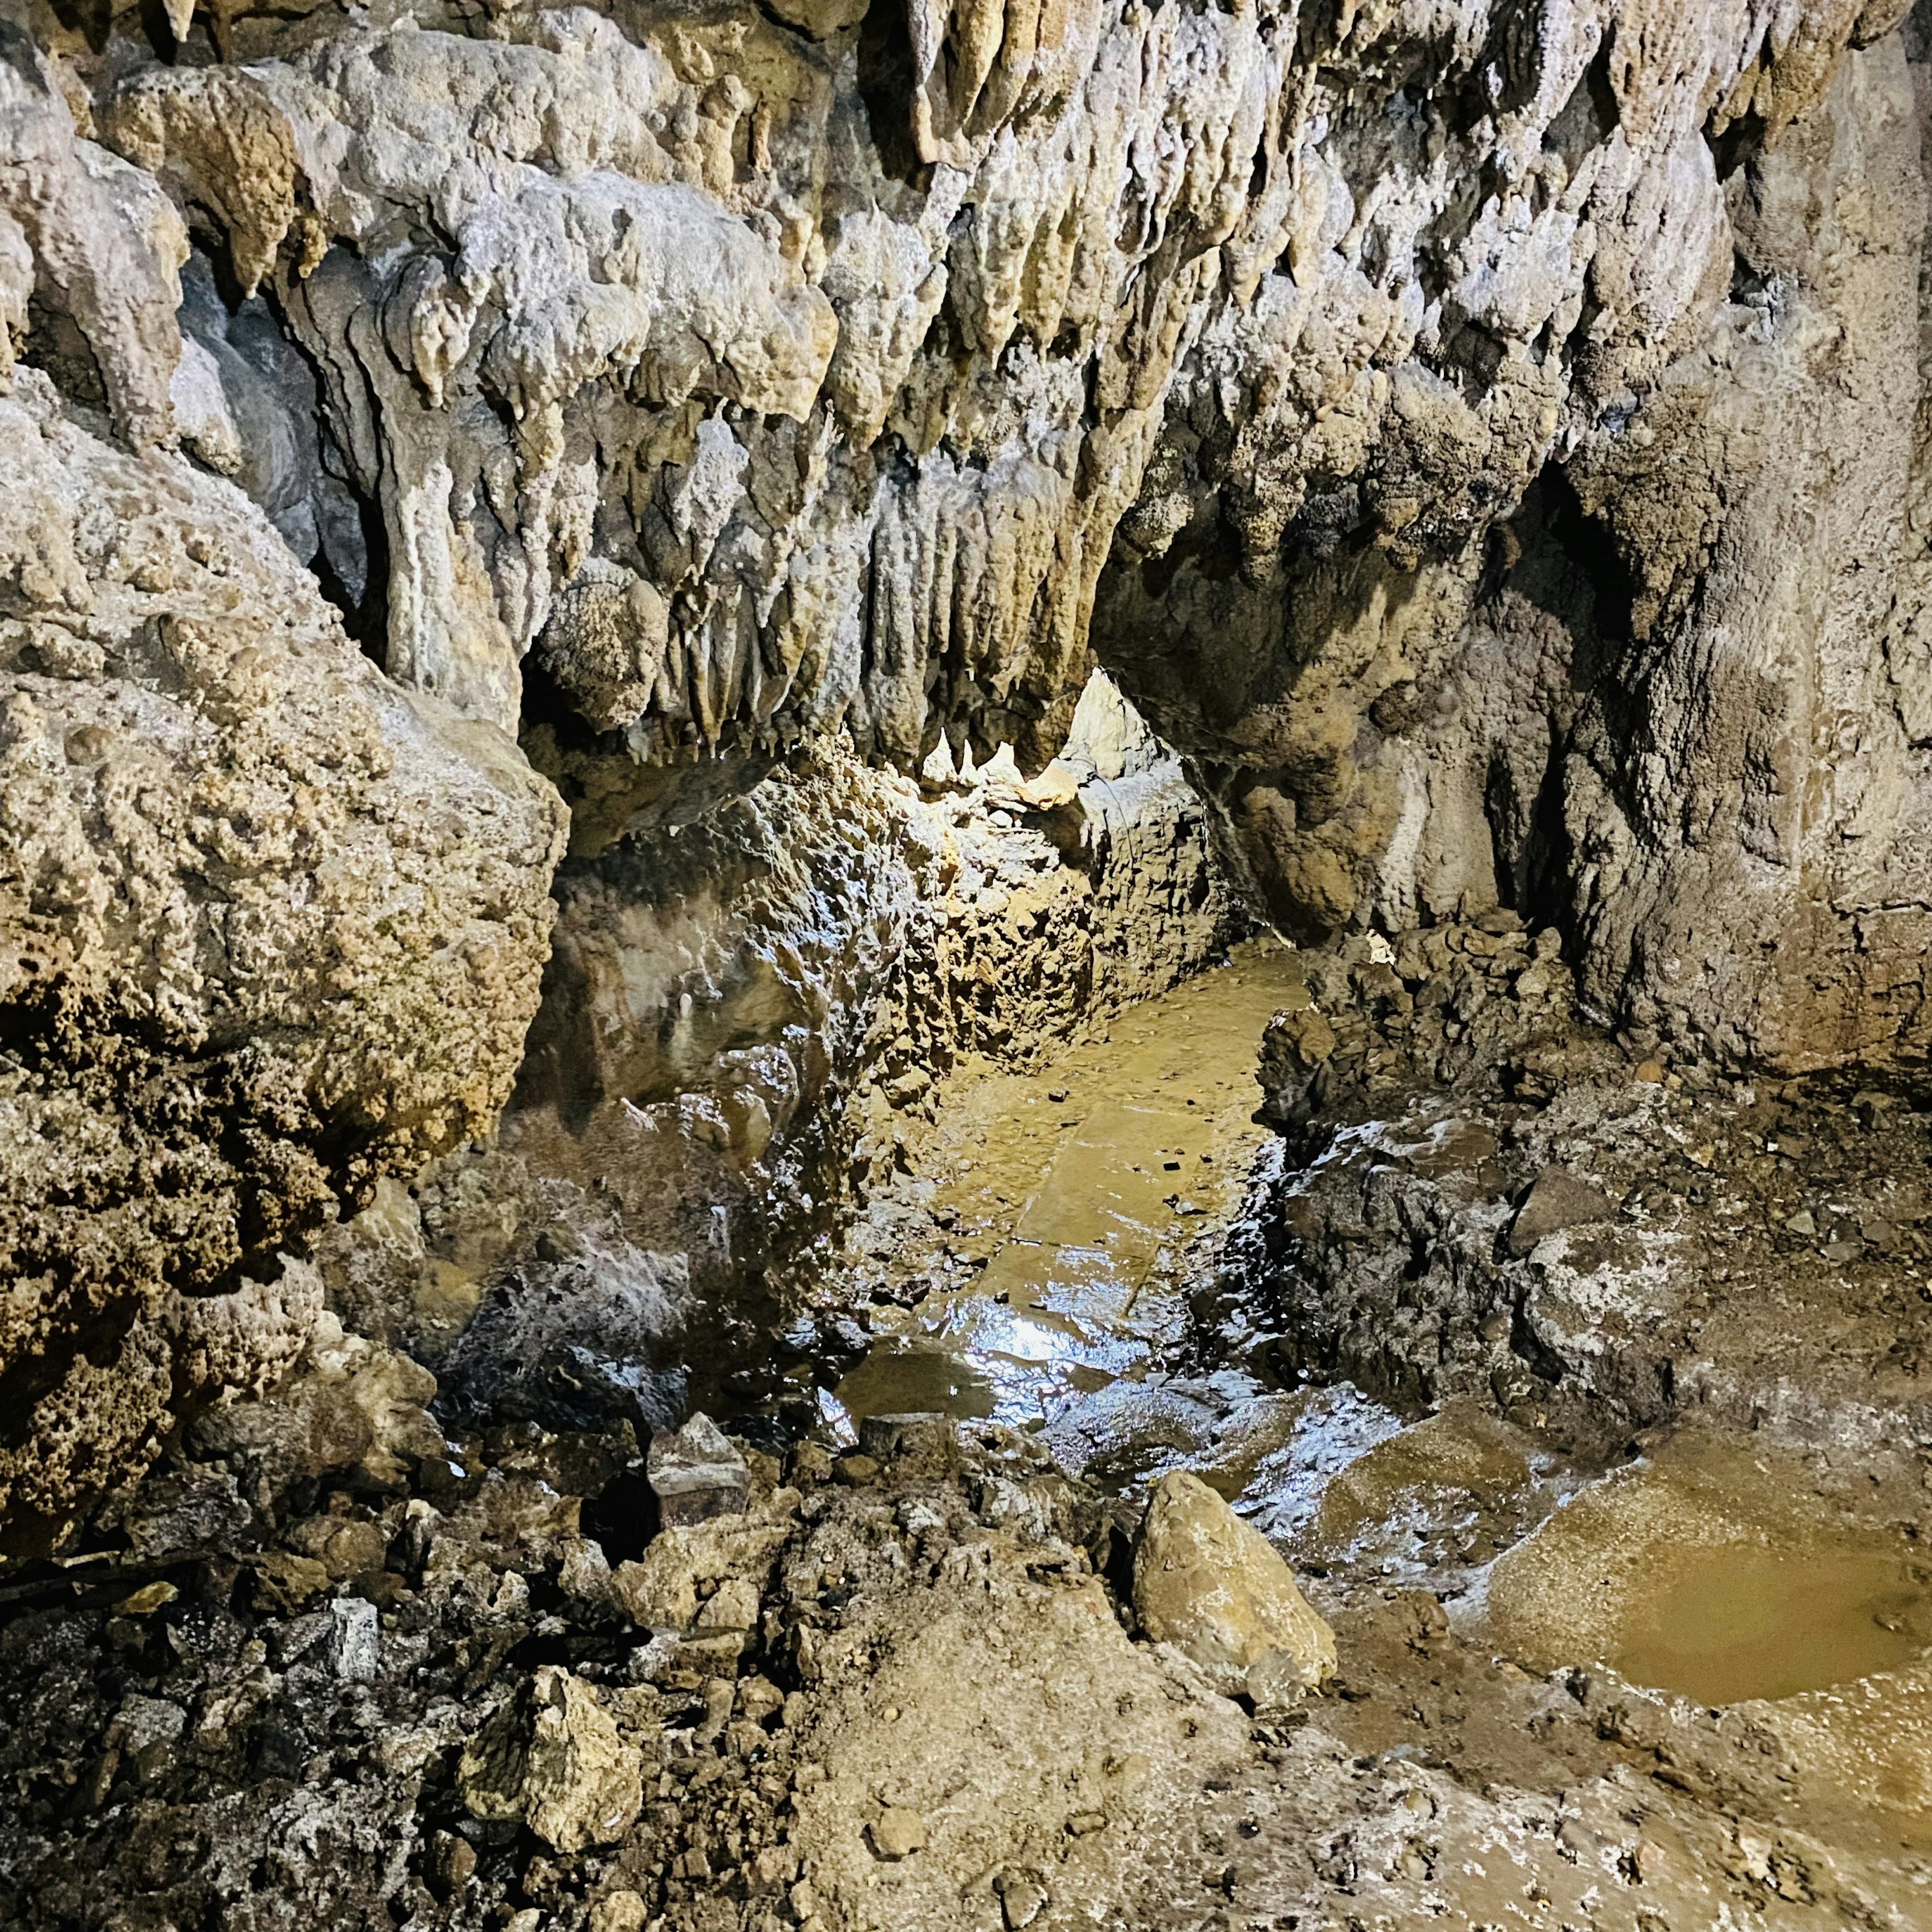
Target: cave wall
750, 1002
1480, 439
1667, 698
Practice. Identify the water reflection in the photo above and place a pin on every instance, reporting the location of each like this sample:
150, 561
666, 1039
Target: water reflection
1068, 1201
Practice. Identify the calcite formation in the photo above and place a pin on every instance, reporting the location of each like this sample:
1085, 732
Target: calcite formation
272, 926
1472, 434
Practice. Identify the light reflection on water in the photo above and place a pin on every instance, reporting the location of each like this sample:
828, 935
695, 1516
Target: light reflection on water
1077, 1192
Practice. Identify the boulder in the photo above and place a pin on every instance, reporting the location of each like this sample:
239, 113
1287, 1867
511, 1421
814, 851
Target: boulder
915, 1444
1214, 1588
551, 1758
270, 928
1556, 1200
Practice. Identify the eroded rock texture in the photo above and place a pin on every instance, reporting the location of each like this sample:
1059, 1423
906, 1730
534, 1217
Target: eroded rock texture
752, 1000
273, 929
1476, 437
1499, 408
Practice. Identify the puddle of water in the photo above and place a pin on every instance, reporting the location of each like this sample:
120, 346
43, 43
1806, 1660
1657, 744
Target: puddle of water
907, 1378
1284, 1453
1709, 1574
1722, 1625
1070, 1195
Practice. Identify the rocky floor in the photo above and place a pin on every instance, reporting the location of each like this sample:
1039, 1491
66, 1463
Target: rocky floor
1583, 1398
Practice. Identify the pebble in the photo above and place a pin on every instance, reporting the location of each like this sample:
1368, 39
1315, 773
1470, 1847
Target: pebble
148, 1598
897, 1833
1023, 1897
355, 1640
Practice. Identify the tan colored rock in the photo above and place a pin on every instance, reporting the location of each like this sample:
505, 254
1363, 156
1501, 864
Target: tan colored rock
1558, 1199
897, 1832
349, 1404
994, 1713
618, 1912
1215, 1588
661, 1590
552, 1758
270, 928
821, 19
696, 1474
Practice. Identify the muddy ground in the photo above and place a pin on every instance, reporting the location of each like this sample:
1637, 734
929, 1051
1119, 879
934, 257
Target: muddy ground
1583, 1394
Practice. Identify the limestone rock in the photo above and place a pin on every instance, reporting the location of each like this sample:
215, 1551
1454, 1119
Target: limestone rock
661, 1592
1557, 1199
605, 643
552, 1758
914, 1445
618, 1912
696, 1474
1214, 1586
897, 1832
270, 927
349, 1404
355, 1643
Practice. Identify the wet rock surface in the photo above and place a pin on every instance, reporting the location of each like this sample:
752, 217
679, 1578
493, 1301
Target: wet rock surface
1593, 1242
883, 1696
934, 1675
1475, 440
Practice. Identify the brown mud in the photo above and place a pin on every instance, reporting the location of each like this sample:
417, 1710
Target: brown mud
1059, 1208
1619, 1649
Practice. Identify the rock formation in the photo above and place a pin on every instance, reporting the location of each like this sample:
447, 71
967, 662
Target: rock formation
272, 931
1475, 438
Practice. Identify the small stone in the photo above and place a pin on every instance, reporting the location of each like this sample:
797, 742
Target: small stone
1575, 1841
695, 1474
1649, 1073
1023, 1897
1215, 1588
141, 1723
916, 1444
1083, 1824
284, 1582
856, 1470
552, 1758
759, 1698
355, 1641
528, 1920
618, 1912
584, 1575
733, 1606
146, 1600
1801, 1223
1558, 1200
897, 1833
448, 1864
